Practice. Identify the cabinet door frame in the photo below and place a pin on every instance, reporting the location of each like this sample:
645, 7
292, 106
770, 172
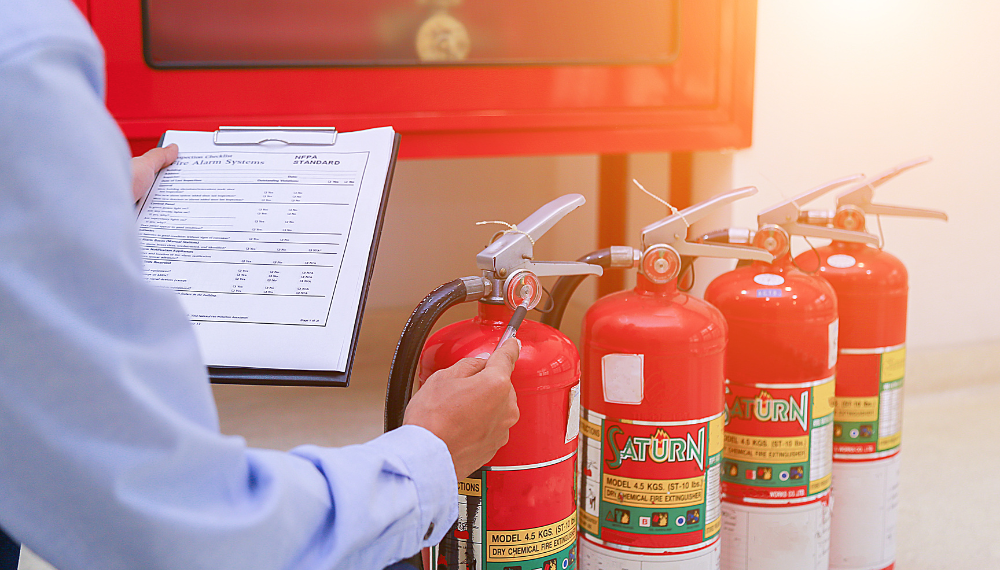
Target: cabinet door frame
701, 101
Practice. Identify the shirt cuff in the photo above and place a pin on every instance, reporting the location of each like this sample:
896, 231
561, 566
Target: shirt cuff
432, 471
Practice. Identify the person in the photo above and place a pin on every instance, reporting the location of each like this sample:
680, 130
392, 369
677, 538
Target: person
110, 450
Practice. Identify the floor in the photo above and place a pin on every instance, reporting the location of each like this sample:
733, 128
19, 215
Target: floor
950, 500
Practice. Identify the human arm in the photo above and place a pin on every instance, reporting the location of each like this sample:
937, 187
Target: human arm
110, 454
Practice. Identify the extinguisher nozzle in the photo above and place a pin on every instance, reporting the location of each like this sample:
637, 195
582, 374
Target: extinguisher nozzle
515, 323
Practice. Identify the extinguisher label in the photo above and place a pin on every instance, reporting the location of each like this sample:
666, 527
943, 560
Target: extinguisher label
621, 377
650, 484
778, 441
868, 420
532, 543
488, 538
573, 417
834, 335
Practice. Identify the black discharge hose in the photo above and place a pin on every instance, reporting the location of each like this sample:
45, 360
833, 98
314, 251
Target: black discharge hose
566, 285
411, 342
404, 361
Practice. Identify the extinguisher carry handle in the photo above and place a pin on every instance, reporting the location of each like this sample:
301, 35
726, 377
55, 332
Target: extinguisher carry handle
510, 250
562, 291
862, 194
414, 335
515, 248
672, 230
788, 213
822, 232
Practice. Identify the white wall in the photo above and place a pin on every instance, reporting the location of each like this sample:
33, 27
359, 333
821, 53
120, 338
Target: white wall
841, 87
861, 85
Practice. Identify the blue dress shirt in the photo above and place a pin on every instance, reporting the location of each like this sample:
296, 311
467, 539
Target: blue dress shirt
110, 451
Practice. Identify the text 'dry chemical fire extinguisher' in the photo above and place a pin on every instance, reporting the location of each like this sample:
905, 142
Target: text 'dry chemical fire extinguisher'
652, 406
871, 288
519, 510
776, 467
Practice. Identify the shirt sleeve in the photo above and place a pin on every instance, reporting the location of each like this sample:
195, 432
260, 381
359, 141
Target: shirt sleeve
110, 451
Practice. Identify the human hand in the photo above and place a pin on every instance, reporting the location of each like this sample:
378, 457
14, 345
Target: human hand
145, 167
471, 406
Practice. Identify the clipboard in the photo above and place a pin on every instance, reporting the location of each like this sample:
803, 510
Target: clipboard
303, 136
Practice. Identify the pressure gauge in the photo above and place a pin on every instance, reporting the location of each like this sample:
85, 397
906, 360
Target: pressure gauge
772, 239
661, 263
520, 287
849, 217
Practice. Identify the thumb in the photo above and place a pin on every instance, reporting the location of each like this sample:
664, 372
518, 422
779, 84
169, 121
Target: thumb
159, 157
504, 358
145, 167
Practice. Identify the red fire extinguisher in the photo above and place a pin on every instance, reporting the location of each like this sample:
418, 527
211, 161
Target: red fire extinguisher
776, 465
519, 510
871, 288
652, 406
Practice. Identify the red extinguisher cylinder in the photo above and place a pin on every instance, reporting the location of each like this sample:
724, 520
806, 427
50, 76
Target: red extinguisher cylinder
520, 508
776, 467
651, 434
871, 287
651, 430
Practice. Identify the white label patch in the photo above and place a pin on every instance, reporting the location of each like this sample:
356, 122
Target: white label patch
573, 423
790, 538
834, 332
621, 375
841, 261
769, 279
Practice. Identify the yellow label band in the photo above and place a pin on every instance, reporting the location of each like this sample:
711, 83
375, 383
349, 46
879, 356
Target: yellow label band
824, 399
856, 409
893, 365
528, 544
653, 493
588, 522
820, 484
591, 430
759, 449
712, 528
715, 441
470, 487
890, 441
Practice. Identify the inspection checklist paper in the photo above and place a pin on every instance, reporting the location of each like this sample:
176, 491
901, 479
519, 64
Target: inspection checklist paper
267, 245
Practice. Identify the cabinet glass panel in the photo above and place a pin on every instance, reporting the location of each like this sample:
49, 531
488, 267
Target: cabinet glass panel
335, 33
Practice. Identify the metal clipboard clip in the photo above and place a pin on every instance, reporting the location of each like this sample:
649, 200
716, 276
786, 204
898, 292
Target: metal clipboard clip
312, 136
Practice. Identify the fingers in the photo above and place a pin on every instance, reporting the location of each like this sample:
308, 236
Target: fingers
466, 367
503, 359
160, 157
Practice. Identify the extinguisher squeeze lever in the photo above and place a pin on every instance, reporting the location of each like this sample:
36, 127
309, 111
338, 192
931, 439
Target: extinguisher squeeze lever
788, 215
509, 261
514, 250
861, 195
672, 230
